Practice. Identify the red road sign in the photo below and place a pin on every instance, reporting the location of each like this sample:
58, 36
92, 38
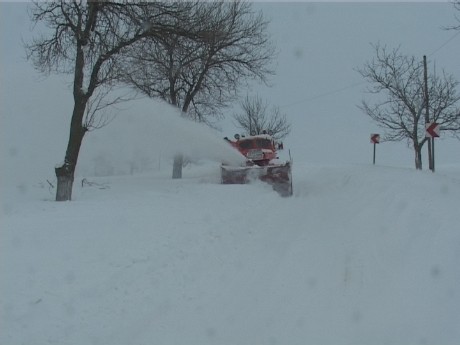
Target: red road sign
375, 138
432, 130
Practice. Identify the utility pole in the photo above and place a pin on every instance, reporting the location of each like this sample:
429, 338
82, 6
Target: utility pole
427, 113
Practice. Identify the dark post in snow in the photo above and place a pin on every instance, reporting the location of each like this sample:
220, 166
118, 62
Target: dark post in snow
373, 161
375, 139
432, 131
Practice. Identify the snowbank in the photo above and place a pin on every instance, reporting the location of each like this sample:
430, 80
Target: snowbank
359, 255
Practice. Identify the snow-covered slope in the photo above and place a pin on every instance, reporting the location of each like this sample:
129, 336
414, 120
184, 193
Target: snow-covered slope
359, 255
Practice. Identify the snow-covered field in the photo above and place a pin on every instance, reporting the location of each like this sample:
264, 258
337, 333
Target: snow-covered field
359, 255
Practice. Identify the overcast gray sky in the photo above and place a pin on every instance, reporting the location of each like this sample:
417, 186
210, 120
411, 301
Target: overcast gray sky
316, 85
322, 44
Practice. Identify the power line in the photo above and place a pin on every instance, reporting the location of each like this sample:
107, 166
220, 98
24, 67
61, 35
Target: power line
323, 94
444, 44
332, 92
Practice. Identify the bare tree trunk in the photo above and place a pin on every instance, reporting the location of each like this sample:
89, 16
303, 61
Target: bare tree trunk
64, 183
177, 166
65, 173
418, 158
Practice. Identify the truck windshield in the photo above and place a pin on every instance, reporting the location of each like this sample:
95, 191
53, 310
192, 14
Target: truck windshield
259, 143
263, 143
245, 144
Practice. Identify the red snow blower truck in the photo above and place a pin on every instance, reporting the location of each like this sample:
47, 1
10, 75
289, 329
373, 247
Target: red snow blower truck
262, 162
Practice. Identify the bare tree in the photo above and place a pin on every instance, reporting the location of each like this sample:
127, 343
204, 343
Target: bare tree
202, 76
258, 117
456, 4
401, 109
86, 40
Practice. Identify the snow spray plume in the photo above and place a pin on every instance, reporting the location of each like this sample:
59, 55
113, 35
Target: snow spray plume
147, 132
194, 140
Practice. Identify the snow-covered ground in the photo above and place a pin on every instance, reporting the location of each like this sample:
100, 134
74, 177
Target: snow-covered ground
359, 255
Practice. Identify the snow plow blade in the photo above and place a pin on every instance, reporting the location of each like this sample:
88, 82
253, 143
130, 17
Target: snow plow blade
278, 176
